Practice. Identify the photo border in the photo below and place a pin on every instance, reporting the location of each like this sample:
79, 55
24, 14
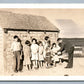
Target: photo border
42, 78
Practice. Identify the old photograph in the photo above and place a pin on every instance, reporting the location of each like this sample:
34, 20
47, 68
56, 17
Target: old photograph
41, 42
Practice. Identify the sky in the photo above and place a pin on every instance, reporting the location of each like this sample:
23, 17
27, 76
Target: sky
69, 21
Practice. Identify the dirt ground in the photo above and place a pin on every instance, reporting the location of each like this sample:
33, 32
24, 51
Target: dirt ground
59, 70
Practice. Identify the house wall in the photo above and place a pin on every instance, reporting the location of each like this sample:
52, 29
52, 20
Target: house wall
1, 52
23, 36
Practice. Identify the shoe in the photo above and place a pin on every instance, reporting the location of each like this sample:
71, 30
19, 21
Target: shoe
16, 71
47, 67
62, 60
66, 75
35, 67
20, 70
68, 67
60, 63
54, 65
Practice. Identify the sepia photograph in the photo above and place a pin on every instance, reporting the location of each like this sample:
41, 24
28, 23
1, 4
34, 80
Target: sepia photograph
41, 42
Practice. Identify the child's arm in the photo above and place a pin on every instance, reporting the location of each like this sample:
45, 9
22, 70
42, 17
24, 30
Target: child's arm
51, 53
12, 46
30, 53
21, 54
62, 48
37, 49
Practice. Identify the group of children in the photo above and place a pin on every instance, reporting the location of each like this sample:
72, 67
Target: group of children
41, 53
36, 54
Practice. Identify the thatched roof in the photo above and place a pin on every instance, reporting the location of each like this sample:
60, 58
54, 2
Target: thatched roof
11, 20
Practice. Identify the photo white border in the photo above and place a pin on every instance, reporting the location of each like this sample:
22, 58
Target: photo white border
62, 6
42, 78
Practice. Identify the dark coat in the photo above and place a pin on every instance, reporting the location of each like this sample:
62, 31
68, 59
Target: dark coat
67, 47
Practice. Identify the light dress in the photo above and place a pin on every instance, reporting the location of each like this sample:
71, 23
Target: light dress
34, 51
27, 54
55, 57
54, 51
41, 50
45, 44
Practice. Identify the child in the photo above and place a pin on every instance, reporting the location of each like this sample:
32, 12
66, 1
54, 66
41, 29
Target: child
45, 44
48, 55
54, 52
60, 57
27, 54
34, 52
16, 49
41, 58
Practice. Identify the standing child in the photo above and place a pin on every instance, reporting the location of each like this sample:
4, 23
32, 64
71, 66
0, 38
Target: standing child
34, 52
54, 52
45, 44
27, 54
48, 55
16, 49
41, 58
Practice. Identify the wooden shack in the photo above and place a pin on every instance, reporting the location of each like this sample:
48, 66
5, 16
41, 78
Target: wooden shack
26, 27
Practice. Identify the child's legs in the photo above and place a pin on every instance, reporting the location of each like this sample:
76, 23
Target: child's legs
15, 61
25, 61
36, 60
55, 63
46, 61
18, 60
40, 63
33, 62
29, 66
46, 64
49, 60
36, 63
59, 59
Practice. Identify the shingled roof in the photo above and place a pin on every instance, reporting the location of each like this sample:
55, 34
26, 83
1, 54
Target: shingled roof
11, 20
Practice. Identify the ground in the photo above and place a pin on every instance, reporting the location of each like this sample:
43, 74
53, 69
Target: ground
77, 70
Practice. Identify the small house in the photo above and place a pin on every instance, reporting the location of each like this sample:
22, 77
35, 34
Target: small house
26, 27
